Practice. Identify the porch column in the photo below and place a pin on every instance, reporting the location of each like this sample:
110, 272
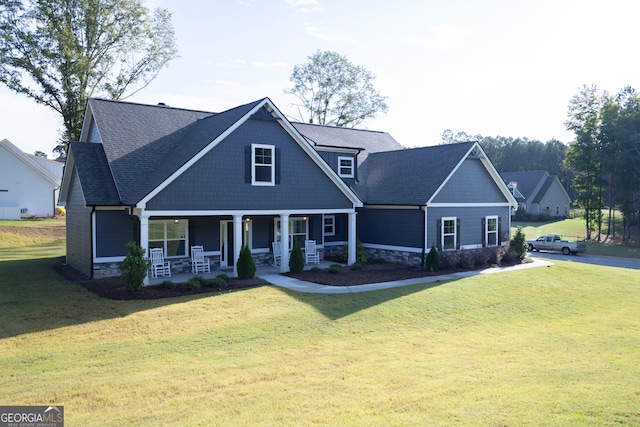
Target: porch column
144, 240
351, 259
237, 241
284, 243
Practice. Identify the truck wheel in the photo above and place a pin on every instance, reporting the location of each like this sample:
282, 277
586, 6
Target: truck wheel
566, 251
530, 248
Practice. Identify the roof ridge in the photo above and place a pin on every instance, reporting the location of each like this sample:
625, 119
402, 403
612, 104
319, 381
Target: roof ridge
159, 105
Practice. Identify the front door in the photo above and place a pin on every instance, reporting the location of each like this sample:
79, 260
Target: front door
226, 244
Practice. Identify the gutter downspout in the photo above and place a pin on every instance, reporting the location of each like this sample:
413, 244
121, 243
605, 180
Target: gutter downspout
93, 209
424, 235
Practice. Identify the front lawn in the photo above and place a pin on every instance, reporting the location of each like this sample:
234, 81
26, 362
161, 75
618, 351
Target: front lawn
547, 346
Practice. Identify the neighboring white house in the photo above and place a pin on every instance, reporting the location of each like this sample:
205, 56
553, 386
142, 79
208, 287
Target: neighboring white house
29, 184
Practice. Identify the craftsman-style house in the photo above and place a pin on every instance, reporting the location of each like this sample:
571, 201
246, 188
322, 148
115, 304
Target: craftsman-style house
173, 178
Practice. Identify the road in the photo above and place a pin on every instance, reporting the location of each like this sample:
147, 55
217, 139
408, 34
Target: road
589, 259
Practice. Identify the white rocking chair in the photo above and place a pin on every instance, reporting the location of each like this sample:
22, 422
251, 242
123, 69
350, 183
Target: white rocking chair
277, 253
158, 265
310, 252
198, 262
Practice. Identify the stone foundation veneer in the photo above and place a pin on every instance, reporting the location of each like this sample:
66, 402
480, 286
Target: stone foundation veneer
403, 257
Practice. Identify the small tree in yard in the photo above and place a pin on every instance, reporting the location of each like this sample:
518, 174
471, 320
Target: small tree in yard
519, 243
134, 267
433, 259
246, 266
296, 261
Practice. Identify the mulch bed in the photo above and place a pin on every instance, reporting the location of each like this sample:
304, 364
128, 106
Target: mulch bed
113, 287
375, 271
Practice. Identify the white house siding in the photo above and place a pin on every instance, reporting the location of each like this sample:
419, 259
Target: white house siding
555, 201
23, 190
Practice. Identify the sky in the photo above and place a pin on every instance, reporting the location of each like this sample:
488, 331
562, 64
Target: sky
489, 67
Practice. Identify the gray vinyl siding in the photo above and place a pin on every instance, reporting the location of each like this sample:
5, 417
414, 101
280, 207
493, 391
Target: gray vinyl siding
114, 229
217, 181
332, 160
470, 219
341, 229
78, 220
396, 227
471, 183
262, 232
94, 133
205, 231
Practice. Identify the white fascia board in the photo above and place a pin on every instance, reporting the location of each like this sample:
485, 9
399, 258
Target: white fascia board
311, 151
86, 122
274, 212
489, 167
468, 205
143, 203
67, 173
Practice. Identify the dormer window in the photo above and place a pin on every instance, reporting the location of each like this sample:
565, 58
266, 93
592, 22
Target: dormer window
345, 167
263, 164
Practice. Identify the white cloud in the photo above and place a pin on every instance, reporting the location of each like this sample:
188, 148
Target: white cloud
305, 6
314, 31
275, 64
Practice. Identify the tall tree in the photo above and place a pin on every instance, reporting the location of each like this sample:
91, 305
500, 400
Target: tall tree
335, 92
584, 155
61, 52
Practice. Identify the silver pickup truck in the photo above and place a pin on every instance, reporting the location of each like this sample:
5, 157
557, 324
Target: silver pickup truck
553, 242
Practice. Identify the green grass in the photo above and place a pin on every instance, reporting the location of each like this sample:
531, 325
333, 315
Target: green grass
546, 346
572, 228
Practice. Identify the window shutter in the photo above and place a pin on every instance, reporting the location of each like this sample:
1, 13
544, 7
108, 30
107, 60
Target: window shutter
439, 234
458, 233
484, 234
247, 164
499, 239
278, 163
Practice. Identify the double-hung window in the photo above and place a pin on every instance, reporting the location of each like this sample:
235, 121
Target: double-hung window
448, 233
170, 235
491, 230
345, 167
298, 230
263, 164
329, 225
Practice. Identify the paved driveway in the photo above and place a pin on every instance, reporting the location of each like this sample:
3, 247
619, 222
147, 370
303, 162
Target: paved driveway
589, 259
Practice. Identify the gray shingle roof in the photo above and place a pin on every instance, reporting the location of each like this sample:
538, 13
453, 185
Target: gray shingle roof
408, 177
367, 140
527, 180
94, 173
145, 144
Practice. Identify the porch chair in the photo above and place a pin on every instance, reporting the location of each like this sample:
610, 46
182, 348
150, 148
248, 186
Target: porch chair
310, 252
277, 253
158, 265
198, 262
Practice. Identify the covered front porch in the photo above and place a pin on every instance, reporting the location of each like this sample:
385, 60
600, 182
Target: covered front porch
261, 270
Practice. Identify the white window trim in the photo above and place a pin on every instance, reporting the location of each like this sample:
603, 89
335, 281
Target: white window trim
186, 237
351, 168
333, 225
455, 232
278, 235
272, 182
487, 232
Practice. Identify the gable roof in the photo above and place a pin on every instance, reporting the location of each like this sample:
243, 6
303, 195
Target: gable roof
366, 141
411, 176
145, 147
528, 182
98, 186
30, 162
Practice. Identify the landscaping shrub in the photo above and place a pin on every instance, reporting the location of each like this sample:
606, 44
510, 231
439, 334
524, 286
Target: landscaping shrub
223, 277
316, 269
296, 261
134, 268
193, 283
217, 282
358, 266
361, 255
246, 266
519, 243
167, 284
433, 259
466, 260
335, 268
60, 211
483, 256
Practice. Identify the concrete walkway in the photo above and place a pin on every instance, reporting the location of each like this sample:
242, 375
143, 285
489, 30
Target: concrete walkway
308, 287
